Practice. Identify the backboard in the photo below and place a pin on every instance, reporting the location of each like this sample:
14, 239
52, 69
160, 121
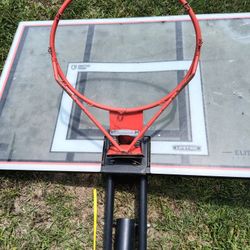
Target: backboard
129, 62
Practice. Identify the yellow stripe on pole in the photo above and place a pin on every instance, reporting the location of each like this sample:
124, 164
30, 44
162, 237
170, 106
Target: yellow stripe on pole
95, 218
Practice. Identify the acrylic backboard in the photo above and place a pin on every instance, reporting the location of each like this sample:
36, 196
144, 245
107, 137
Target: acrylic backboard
129, 62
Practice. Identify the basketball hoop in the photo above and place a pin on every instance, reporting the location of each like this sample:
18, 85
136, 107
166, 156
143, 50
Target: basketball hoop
125, 144
126, 124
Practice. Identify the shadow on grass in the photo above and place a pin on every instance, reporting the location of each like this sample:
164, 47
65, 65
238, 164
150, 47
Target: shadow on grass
224, 191
220, 191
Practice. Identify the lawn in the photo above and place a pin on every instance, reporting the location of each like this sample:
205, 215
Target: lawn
54, 211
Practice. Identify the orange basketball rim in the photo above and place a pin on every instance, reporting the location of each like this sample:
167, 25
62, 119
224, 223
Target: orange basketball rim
126, 127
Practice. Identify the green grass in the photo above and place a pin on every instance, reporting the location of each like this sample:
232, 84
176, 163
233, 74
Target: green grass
54, 211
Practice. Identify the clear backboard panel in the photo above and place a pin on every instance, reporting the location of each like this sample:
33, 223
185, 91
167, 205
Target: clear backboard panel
129, 62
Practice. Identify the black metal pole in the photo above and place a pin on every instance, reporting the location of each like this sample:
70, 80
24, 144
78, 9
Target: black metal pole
108, 217
142, 215
125, 234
